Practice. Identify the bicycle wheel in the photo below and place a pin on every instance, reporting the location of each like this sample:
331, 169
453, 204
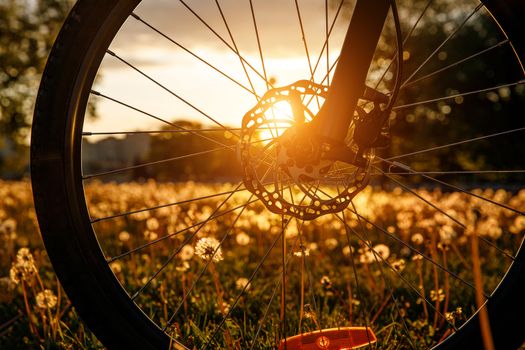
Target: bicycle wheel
167, 233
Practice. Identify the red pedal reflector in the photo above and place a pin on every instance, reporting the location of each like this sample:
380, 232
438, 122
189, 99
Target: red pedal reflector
343, 338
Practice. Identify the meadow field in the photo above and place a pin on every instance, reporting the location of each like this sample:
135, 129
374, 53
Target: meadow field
403, 291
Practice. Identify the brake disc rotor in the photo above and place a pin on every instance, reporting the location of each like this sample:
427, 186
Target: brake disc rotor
275, 145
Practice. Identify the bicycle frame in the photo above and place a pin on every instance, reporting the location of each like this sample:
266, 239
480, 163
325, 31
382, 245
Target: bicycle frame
348, 83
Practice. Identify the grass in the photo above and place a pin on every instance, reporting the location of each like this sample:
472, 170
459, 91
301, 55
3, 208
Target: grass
321, 289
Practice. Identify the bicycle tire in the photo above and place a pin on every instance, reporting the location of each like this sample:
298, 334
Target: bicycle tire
70, 241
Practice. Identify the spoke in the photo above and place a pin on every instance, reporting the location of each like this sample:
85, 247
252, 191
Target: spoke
163, 238
167, 90
183, 131
124, 104
415, 250
354, 270
391, 268
236, 49
327, 39
391, 290
186, 241
274, 293
519, 82
500, 44
456, 172
258, 267
458, 189
457, 143
251, 91
205, 268
325, 46
167, 160
172, 317
259, 44
406, 188
303, 37
446, 214
236, 300
166, 205
409, 34
224, 41
451, 35
418, 252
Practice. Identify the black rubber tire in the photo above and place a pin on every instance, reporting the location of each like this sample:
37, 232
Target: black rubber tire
63, 217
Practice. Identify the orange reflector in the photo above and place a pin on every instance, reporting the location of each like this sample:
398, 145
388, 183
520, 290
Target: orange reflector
343, 338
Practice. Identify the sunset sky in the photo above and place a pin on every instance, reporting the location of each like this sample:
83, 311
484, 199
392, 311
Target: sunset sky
283, 52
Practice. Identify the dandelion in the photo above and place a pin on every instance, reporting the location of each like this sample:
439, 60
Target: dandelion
15, 275
24, 268
242, 239
184, 267
313, 246
331, 243
303, 252
347, 250
382, 250
24, 257
417, 257
186, 253
150, 235
366, 257
209, 248
223, 308
124, 236
440, 295
46, 299
116, 267
152, 224
241, 283
447, 234
417, 238
326, 282
9, 225
399, 265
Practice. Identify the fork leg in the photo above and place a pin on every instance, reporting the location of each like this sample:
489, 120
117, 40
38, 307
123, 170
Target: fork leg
356, 56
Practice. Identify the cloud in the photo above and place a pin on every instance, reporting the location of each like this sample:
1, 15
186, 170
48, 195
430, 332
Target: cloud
277, 24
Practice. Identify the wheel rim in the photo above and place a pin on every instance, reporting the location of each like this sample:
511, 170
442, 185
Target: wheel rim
135, 295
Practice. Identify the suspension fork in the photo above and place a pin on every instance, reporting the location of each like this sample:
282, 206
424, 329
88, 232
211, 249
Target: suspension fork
348, 83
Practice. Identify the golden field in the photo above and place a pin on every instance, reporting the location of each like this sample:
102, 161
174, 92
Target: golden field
398, 249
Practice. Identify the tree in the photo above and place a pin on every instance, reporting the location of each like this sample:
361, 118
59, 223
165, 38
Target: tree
27, 31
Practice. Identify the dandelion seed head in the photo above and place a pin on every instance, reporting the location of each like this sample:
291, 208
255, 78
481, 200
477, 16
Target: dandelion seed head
242, 239
150, 235
326, 282
185, 266
209, 248
187, 252
152, 224
302, 252
116, 267
124, 236
46, 299
242, 282
417, 238
331, 243
399, 265
382, 250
